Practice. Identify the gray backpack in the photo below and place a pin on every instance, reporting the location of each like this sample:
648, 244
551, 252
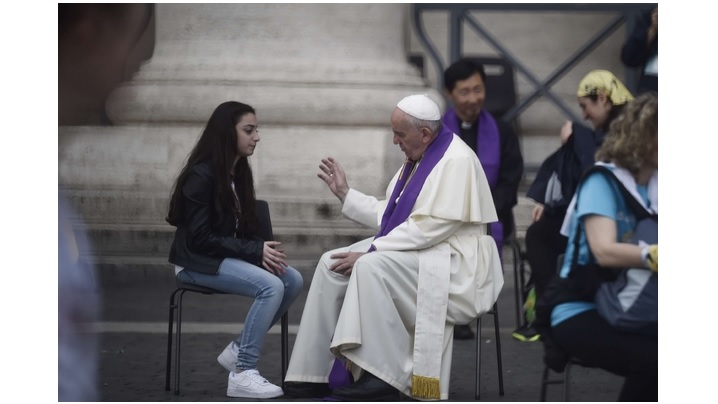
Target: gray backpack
630, 303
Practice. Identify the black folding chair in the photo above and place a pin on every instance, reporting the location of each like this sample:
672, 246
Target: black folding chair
176, 305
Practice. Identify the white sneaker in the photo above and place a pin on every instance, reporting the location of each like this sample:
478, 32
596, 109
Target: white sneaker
250, 384
228, 357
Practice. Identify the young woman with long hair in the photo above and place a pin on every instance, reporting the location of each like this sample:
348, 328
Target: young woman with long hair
216, 243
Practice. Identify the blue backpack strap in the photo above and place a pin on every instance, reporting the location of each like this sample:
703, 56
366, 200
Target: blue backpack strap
635, 206
588, 282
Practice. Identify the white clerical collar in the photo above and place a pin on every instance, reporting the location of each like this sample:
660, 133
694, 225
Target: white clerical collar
466, 125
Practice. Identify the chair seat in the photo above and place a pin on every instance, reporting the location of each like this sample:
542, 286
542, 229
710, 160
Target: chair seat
175, 310
197, 288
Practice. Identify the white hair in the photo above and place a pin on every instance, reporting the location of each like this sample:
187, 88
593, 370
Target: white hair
433, 126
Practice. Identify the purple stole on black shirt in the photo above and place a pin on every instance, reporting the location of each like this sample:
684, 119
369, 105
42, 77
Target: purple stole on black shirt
488, 142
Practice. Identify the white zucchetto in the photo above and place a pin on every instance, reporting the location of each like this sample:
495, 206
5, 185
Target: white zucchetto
420, 106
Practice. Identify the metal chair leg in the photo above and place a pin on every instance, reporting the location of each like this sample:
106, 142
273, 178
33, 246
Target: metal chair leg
519, 281
178, 340
168, 367
544, 383
285, 346
477, 394
176, 306
565, 380
518, 286
522, 271
494, 312
498, 349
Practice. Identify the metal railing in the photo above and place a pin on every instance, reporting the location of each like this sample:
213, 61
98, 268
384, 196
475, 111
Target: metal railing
460, 14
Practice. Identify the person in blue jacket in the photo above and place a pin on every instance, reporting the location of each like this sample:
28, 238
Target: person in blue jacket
599, 225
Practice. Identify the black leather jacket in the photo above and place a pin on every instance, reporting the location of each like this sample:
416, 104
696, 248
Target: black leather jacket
199, 245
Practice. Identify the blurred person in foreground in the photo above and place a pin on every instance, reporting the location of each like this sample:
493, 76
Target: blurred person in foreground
94, 41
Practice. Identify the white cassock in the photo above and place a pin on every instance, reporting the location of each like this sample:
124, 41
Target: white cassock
387, 319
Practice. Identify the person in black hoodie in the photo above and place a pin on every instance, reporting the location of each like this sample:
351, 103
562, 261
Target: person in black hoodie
601, 97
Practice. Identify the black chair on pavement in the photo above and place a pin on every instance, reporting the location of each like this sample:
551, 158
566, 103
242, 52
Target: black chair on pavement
546, 375
495, 313
176, 305
519, 267
565, 380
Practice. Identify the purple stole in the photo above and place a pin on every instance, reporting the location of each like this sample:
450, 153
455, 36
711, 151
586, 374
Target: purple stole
488, 149
396, 213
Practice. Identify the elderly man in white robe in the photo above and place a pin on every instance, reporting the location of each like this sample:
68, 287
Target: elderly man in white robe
385, 307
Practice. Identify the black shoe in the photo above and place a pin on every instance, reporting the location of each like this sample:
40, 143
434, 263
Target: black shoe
367, 388
526, 333
463, 332
306, 390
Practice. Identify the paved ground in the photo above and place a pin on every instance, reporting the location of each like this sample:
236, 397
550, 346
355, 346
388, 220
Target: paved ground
134, 347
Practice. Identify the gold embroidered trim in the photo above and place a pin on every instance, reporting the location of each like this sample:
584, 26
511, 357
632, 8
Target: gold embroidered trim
425, 387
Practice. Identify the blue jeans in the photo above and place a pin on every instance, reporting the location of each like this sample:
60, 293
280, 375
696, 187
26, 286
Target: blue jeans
272, 296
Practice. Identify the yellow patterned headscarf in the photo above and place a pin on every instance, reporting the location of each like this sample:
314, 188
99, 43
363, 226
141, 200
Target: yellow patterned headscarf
605, 82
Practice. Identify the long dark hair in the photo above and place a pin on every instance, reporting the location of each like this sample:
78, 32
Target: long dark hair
218, 146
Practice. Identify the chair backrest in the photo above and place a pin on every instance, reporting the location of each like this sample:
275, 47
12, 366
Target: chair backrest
265, 221
500, 84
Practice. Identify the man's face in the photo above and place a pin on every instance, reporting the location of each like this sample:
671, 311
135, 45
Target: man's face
468, 97
411, 140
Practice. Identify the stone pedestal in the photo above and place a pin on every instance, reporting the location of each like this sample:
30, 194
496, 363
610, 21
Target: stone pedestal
324, 79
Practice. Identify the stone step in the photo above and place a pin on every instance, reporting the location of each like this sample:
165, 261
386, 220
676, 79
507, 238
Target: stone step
119, 271
129, 224
130, 206
154, 240
133, 206
123, 271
